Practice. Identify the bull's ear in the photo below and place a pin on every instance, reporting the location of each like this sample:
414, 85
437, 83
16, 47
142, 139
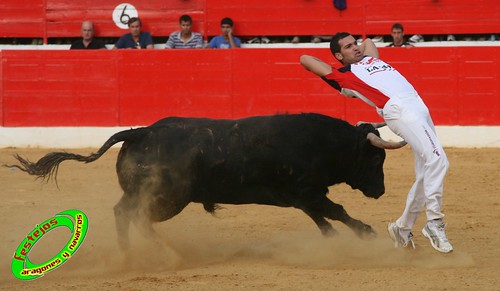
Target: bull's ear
375, 124
367, 128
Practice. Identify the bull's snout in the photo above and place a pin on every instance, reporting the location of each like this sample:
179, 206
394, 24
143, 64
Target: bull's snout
375, 193
380, 193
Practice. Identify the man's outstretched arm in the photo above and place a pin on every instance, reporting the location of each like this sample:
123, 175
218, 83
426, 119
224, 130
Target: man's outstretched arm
315, 65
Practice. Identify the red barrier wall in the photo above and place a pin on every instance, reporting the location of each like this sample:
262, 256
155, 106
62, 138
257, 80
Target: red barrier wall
121, 88
22, 18
363, 17
62, 18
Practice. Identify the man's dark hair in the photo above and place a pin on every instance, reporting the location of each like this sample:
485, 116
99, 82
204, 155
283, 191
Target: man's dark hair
397, 26
134, 19
334, 43
226, 20
185, 18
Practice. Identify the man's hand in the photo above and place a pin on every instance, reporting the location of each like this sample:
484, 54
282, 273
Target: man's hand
369, 48
232, 43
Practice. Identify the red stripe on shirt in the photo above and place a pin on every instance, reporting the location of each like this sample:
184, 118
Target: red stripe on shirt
347, 80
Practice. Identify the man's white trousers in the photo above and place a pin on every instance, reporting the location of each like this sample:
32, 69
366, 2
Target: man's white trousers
408, 117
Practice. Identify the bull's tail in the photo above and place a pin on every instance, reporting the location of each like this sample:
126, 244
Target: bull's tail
47, 167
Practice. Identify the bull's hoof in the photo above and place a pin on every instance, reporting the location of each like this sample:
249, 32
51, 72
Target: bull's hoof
368, 235
124, 245
366, 232
330, 232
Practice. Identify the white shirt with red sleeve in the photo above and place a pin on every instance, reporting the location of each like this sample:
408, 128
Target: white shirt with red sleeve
371, 79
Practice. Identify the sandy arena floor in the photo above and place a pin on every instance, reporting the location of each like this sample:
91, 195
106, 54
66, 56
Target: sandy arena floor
255, 247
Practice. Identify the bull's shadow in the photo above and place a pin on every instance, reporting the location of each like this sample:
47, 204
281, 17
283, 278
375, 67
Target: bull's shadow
281, 160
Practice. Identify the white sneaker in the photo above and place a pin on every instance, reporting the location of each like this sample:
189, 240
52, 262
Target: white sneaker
434, 231
399, 239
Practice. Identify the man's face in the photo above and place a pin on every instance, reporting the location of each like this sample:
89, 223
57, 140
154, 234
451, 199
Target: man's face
185, 27
226, 28
87, 32
397, 35
350, 52
135, 28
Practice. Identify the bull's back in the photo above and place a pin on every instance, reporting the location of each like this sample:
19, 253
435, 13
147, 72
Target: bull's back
249, 160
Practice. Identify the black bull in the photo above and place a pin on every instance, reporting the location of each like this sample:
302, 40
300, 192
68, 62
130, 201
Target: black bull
281, 160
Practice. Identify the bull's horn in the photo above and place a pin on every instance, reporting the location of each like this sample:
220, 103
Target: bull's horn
375, 124
383, 144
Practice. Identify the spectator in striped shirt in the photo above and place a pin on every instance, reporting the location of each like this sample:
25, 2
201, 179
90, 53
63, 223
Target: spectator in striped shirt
184, 38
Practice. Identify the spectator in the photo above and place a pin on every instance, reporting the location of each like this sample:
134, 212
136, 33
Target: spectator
184, 38
136, 39
397, 33
87, 41
226, 40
